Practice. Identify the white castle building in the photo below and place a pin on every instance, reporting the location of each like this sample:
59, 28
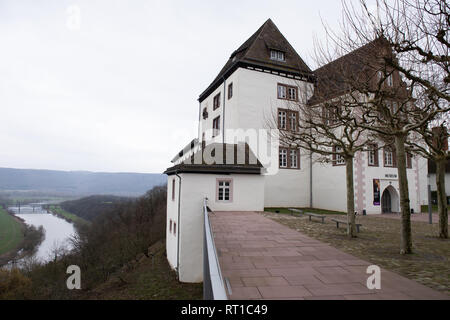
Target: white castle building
253, 87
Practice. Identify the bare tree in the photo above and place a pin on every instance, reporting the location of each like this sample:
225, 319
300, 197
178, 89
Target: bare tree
405, 51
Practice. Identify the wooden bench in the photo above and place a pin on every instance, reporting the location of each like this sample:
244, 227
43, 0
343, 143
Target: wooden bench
293, 211
346, 223
315, 215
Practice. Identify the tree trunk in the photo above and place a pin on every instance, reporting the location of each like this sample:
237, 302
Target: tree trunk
351, 229
442, 198
406, 242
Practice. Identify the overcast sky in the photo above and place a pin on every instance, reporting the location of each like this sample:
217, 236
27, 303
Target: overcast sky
118, 91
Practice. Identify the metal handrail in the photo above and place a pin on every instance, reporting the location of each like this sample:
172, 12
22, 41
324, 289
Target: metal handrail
213, 285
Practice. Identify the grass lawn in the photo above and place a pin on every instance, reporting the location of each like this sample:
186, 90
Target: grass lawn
148, 279
312, 210
10, 232
70, 216
379, 243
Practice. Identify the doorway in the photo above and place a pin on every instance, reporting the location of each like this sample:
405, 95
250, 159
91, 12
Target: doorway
386, 203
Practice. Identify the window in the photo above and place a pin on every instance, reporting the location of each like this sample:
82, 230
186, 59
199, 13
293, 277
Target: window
224, 190
282, 124
216, 101
277, 55
293, 121
372, 155
170, 226
338, 159
283, 158
287, 119
408, 160
329, 114
389, 80
216, 126
293, 158
174, 228
173, 189
287, 92
289, 158
389, 157
205, 113
230, 91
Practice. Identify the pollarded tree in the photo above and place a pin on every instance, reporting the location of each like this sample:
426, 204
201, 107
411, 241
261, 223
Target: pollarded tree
401, 74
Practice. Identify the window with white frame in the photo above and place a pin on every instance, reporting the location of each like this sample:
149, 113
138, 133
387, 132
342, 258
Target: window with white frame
389, 80
282, 123
373, 155
339, 158
388, 157
224, 189
287, 92
293, 121
283, 158
277, 55
293, 158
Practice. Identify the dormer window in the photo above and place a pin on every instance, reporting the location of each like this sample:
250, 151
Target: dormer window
277, 55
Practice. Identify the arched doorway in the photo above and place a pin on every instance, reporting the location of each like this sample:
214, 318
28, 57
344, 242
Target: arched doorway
390, 200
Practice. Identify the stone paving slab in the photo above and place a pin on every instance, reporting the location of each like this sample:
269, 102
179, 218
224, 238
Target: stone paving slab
262, 259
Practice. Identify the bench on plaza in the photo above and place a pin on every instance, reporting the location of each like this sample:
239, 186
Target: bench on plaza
315, 215
295, 211
346, 223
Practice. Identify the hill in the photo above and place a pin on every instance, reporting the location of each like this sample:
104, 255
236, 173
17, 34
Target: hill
78, 183
91, 207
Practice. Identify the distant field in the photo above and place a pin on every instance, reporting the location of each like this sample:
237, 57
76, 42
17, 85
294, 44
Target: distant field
10, 232
68, 215
312, 210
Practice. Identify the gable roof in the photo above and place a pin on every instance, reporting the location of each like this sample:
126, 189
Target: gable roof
256, 52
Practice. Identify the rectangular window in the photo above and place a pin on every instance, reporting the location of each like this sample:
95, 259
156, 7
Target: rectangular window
277, 55
230, 91
389, 80
216, 101
287, 120
293, 121
293, 158
224, 190
282, 123
283, 158
286, 92
338, 159
408, 160
173, 189
216, 126
372, 155
289, 158
388, 157
170, 226
174, 228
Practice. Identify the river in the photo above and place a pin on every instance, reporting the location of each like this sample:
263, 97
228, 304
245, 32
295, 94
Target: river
57, 231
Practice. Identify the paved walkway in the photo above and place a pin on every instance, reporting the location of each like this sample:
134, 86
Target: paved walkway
262, 259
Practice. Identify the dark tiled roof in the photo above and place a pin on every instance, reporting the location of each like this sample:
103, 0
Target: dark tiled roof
432, 166
235, 158
256, 52
358, 66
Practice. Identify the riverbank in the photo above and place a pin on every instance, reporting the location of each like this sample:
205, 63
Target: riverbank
17, 239
11, 233
69, 217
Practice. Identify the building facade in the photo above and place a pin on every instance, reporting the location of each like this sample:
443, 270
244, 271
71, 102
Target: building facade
251, 96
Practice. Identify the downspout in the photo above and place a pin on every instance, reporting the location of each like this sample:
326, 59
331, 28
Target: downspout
178, 227
224, 99
199, 119
310, 178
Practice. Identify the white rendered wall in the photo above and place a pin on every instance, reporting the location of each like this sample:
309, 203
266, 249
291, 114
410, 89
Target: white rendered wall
172, 214
248, 195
